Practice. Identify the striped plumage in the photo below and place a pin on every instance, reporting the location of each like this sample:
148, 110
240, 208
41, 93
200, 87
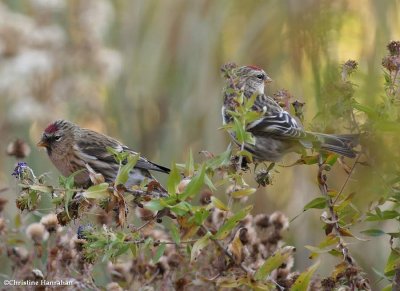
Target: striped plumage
70, 148
276, 132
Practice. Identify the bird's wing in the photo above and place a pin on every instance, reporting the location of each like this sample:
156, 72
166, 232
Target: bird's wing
94, 147
279, 124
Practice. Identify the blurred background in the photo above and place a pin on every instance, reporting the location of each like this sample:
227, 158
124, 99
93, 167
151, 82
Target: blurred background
147, 73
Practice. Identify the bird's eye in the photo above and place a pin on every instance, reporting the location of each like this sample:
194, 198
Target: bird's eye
260, 76
57, 137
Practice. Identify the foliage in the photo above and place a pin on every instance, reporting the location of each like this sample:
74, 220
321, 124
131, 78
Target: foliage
203, 234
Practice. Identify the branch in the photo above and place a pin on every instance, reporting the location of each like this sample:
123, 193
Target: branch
322, 178
226, 252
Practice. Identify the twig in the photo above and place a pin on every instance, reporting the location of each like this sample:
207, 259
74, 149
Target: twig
347, 180
226, 252
396, 280
336, 227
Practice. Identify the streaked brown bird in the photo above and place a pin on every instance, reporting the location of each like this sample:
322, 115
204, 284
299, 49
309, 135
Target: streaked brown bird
72, 148
276, 132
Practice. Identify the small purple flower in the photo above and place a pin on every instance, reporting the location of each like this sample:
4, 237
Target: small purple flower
20, 170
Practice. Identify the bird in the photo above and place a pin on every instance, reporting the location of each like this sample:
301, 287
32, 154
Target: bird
275, 131
72, 148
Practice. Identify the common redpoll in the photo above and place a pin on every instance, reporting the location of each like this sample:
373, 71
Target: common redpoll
276, 132
71, 148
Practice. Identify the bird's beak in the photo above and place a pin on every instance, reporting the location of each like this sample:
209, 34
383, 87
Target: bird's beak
268, 80
42, 143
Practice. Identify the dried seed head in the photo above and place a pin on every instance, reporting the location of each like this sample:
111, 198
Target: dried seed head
394, 48
351, 271
78, 244
22, 201
19, 255
37, 233
63, 218
263, 177
104, 217
3, 202
205, 197
174, 260
299, 109
328, 283
37, 274
350, 66
113, 286
262, 220
163, 265
217, 217
2, 225
282, 97
279, 220
119, 271
227, 69
50, 222
19, 149
181, 283
391, 63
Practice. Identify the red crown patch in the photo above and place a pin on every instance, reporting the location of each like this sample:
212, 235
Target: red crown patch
51, 128
254, 67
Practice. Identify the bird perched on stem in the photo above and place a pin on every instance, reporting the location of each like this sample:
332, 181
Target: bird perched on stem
273, 130
72, 148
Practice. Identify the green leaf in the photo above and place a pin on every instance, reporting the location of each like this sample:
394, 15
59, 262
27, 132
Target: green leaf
220, 160
194, 185
243, 192
249, 138
124, 170
181, 208
159, 252
199, 245
239, 130
302, 282
173, 180
252, 116
330, 239
245, 154
134, 249
175, 235
331, 159
387, 288
209, 183
273, 262
119, 156
199, 216
373, 232
343, 204
42, 188
218, 204
189, 167
232, 222
316, 251
249, 102
155, 205
98, 191
368, 110
382, 215
392, 263
316, 203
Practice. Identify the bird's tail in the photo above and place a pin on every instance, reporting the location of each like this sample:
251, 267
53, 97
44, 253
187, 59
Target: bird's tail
342, 144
